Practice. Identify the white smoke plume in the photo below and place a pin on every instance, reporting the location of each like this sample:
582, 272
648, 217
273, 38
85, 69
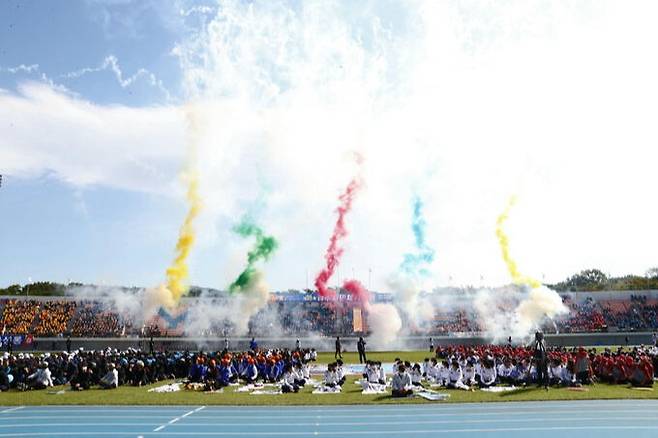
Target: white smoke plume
384, 323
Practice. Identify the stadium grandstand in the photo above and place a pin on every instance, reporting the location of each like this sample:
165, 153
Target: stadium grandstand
302, 312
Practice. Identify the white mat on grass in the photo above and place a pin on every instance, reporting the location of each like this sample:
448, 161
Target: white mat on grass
433, 395
327, 390
499, 388
172, 387
266, 392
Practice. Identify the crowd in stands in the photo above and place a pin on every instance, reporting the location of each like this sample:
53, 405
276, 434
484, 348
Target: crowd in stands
94, 321
54, 317
18, 316
58, 317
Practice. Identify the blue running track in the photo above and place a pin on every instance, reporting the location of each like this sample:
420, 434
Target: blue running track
613, 418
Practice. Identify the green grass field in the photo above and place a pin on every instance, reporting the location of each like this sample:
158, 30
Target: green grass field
351, 393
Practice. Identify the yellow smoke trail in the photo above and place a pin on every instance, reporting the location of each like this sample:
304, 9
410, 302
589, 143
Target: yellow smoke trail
178, 272
503, 241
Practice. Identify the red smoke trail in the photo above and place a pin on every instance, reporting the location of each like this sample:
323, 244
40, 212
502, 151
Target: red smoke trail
335, 251
358, 291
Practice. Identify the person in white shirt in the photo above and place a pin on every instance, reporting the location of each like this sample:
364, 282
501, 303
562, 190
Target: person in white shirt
455, 377
487, 373
382, 373
340, 372
426, 366
370, 380
401, 384
556, 372
416, 375
444, 373
111, 379
469, 373
41, 378
504, 370
433, 371
298, 374
288, 381
330, 376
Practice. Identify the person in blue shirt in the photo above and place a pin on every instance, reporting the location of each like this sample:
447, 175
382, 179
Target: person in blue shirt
224, 377
253, 345
198, 371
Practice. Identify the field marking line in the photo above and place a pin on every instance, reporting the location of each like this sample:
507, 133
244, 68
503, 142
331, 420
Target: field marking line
361, 432
395, 423
12, 409
365, 423
174, 420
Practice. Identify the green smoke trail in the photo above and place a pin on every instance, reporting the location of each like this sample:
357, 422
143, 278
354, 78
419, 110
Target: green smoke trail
262, 250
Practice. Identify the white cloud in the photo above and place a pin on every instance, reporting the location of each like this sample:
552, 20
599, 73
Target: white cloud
48, 131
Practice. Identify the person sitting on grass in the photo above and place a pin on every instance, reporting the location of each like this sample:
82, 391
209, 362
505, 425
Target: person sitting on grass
298, 375
212, 376
197, 373
455, 377
330, 376
618, 370
556, 372
381, 372
401, 383
111, 379
433, 371
504, 370
340, 372
470, 372
288, 384
370, 381
416, 375
583, 367
224, 374
487, 373
81, 379
41, 378
642, 373
444, 372
138, 376
426, 366
251, 371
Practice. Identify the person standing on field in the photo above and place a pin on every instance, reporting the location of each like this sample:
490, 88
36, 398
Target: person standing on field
361, 347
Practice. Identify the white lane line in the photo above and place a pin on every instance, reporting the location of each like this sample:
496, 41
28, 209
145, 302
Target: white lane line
489, 406
12, 409
360, 432
433, 414
174, 420
365, 423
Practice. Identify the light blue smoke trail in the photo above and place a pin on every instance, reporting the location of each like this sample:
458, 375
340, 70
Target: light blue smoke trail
416, 264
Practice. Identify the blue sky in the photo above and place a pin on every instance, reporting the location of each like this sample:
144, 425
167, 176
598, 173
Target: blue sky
462, 104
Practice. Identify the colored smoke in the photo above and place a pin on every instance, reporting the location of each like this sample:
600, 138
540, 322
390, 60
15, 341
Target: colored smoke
503, 241
335, 250
178, 271
414, 271
538, 303
416, 264
262, 250
357, 290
